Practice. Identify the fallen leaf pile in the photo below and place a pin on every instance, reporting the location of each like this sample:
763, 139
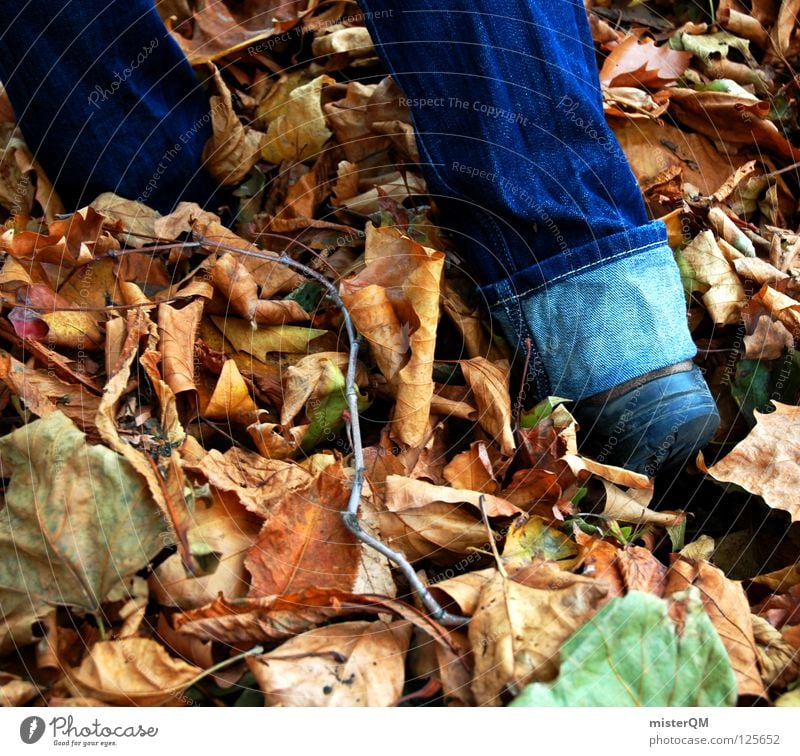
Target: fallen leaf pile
177, 445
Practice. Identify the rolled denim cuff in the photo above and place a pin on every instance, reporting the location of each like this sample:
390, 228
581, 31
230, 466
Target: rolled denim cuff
599, 315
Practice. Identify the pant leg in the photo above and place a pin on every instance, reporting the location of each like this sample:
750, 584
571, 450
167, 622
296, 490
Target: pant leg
105, 99
514, 146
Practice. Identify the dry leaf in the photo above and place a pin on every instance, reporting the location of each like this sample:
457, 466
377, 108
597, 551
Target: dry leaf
724, 296
14, 691
642, 63
411, 276
133, 671
221, 527
726, 604
403, 494
297, 129
177, 331
517, 632
766, 462
489, 384
304, 542
347, 664
231, 400
472, 470
233, 149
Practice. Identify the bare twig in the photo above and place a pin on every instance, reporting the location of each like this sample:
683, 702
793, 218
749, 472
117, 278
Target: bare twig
350, 517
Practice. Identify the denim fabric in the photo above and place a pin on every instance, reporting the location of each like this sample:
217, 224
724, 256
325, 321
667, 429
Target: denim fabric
538, 194
105, 99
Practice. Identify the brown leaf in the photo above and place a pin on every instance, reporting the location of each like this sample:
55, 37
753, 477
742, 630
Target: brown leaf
44, 393
133, 671
411, 275
726, 604
231, 400
782, 307
221, 527
470, 323
14, 691
731, 118
517, 633
233, 148
177, 331
174, 510
767, 339
276, 618
232, 277
403, 494
257, 482
71, 242
304, 542
641, 63
472, 470
308, 381
371, 309
218, 31
489, 384
631, 506
272, 276
724, 296
297, 128
347, 664
433, 530
463, 591
766, 462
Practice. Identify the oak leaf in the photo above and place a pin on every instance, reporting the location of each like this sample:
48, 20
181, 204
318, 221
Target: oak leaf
642, 63
767, 461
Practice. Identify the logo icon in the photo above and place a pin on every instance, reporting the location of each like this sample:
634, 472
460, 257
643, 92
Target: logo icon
31, 729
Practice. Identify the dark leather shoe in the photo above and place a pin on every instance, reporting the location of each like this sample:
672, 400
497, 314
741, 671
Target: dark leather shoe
650, 424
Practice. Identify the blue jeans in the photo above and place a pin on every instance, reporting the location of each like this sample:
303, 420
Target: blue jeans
105, 99
515, 150
507, 107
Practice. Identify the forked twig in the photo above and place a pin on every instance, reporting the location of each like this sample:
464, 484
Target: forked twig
350, 517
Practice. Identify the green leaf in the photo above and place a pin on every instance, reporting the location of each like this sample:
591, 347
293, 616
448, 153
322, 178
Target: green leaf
542, 410
77, 521
630, 654
751, 388
531, 538
325, 413
308, 295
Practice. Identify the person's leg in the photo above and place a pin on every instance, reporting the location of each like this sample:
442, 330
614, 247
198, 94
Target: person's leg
515, 149
106, 100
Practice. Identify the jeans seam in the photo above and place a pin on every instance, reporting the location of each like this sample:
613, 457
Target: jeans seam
582, 268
